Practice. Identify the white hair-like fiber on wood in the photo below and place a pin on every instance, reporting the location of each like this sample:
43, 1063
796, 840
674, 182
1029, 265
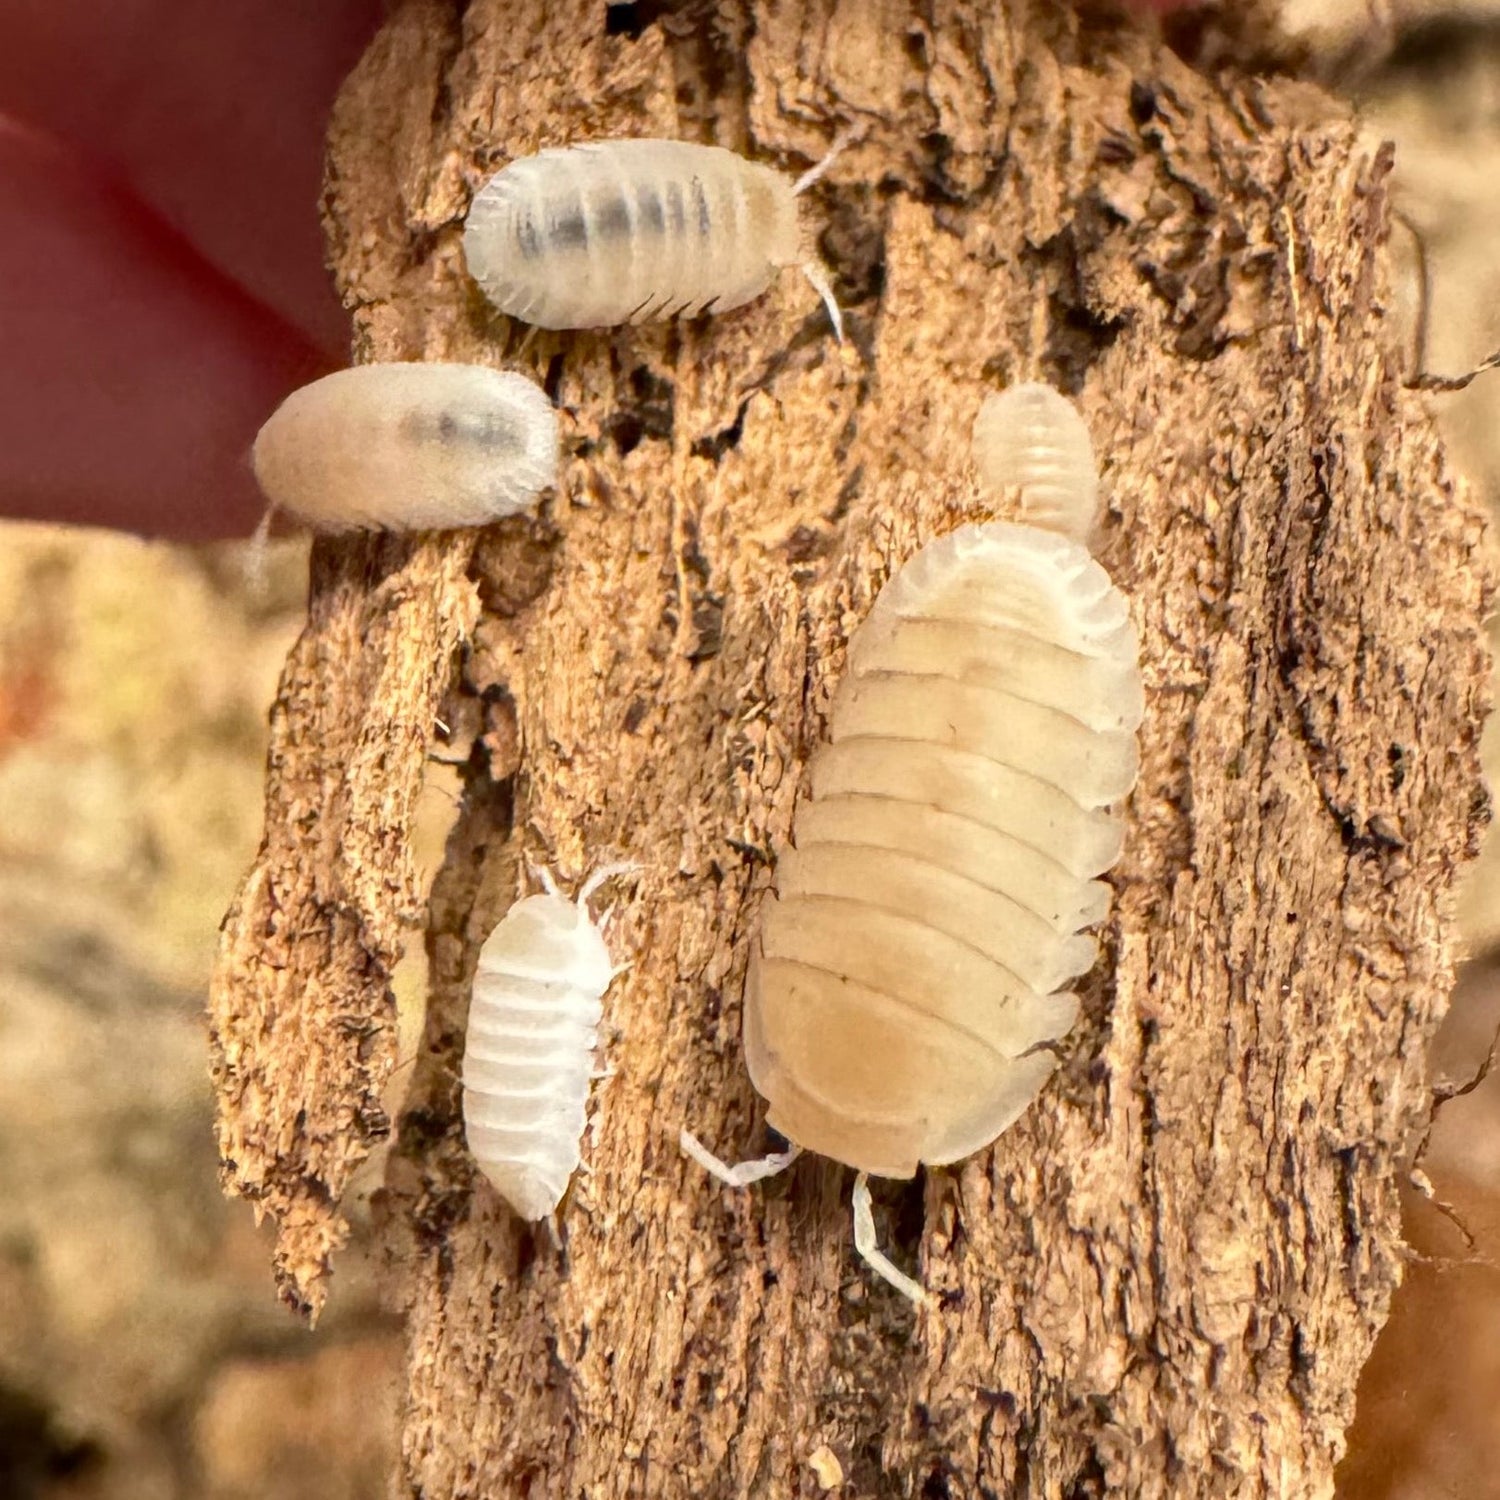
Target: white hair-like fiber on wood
408, 447
612, 232
909, 981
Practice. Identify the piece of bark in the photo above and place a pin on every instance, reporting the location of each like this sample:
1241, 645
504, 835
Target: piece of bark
301, 1015
1165, 1278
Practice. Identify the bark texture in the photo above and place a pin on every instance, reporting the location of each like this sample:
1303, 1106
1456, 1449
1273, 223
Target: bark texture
1165, 1278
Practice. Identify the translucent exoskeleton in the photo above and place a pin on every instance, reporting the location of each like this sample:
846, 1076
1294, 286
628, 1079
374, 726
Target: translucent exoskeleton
909, 979
1032, 437
408, 447
529, 1048
612, 232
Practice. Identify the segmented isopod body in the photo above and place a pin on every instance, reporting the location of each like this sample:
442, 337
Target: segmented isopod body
407, 447
910, 971
1032, 436
528, 1056
611, 232
908, 980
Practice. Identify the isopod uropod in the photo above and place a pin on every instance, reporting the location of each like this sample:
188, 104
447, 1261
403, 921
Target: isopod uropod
529, 1049
908, 980
407, 447
611, 232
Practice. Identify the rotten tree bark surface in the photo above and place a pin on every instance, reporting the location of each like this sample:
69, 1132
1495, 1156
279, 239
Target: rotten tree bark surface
1164, 1279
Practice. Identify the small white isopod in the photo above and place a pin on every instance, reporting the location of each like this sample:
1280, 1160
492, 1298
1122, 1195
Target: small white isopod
529, 1049
611, 232
408, 447
1033, 437
908, 980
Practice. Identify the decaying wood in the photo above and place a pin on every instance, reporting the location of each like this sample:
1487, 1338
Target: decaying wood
302, 1022
1164, 1279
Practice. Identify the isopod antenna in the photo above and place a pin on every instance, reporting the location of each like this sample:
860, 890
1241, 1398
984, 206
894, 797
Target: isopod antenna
866, 1243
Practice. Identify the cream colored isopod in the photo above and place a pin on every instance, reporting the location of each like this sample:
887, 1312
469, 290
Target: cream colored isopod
408, 447
909, 980
611, 232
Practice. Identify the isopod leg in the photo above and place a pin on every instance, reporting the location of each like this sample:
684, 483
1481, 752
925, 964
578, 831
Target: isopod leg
745, 1172
871, 1253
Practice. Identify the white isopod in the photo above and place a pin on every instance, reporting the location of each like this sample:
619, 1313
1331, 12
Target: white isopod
612, 232
408, 447
529, 1051
908, 981
1033, 437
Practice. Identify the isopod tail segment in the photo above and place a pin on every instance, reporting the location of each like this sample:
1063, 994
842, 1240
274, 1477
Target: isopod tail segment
813, 269
866, 1244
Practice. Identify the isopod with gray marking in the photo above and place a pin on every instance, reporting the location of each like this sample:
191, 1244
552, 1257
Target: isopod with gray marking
611, 232
408, 447
909, 980
534, 1018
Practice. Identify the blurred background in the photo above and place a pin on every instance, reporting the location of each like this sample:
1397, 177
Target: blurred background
142, 1353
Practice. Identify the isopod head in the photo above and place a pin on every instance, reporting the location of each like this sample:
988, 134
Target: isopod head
545, 936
